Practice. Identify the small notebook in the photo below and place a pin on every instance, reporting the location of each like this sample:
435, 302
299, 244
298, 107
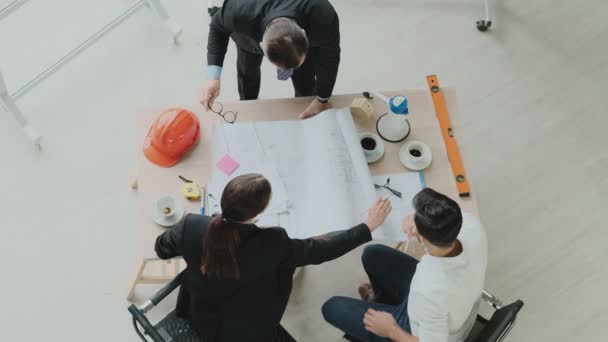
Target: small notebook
227, 165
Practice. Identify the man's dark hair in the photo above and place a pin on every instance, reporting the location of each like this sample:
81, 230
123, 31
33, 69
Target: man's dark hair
438, 218
286, 43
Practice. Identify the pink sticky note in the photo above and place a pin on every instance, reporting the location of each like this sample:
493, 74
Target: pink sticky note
227, 165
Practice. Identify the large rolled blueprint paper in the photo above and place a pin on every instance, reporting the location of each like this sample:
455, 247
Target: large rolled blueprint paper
320, 178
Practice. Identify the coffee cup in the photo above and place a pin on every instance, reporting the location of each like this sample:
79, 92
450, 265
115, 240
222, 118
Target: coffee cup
415, 155
372, 145
166, 206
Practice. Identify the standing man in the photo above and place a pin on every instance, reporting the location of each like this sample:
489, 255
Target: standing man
300, 37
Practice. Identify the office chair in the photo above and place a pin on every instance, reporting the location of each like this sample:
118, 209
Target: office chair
213, 6
493, 330
499, 325
172, 328
169, 328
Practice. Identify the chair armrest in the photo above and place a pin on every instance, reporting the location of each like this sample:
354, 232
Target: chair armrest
491, 299
167, 289
501, 322
139, 317
139, 314
162, 293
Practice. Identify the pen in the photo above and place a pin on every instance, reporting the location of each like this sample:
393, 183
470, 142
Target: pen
207, 199
203, 199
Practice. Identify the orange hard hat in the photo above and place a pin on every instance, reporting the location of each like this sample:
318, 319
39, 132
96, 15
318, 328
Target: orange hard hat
173, 133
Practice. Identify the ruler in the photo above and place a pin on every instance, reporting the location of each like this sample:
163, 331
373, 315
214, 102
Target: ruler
448, 136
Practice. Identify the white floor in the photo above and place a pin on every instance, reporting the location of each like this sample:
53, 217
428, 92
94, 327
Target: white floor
532, 95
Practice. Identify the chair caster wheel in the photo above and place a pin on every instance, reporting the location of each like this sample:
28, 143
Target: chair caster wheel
483, 25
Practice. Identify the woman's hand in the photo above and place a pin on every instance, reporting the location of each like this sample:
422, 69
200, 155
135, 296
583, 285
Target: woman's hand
377, 213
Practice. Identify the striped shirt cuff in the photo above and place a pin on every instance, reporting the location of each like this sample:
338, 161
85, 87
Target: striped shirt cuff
214, 72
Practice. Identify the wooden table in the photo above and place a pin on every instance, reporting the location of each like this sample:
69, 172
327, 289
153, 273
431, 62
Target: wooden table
154, 182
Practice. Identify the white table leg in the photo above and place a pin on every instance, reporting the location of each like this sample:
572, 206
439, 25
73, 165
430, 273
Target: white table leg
8, 103
10, 7
486, 21
160, 9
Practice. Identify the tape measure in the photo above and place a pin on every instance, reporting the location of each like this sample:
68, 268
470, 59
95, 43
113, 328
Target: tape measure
190, 189
448, 136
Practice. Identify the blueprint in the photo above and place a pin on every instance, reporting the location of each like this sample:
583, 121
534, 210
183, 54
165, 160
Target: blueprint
319, 175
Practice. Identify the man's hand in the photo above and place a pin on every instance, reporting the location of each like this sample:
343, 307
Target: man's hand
381, 323
407, 225
210, 92
314, 108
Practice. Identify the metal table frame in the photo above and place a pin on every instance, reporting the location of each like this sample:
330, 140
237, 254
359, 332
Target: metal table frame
8, 100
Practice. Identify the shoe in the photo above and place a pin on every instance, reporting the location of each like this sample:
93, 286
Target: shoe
366, 292
347, 338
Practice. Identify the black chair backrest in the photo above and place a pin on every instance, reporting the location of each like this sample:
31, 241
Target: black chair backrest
501, 322
140, 316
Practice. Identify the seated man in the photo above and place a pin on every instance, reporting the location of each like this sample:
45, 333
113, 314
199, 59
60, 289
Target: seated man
434, 300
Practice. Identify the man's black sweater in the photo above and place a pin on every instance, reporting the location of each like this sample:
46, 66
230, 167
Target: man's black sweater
251, 17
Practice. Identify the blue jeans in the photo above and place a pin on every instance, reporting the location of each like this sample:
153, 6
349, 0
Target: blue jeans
390, 273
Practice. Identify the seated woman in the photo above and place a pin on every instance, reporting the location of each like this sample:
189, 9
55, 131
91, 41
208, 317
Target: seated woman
238, 276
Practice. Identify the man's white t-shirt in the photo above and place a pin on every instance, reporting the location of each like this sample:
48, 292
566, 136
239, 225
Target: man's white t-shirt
445, 292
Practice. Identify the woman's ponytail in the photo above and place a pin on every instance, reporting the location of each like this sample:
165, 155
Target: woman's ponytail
243, 198
220, 245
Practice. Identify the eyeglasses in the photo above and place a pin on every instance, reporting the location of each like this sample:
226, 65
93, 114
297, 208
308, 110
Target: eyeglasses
385, 186
228, 116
